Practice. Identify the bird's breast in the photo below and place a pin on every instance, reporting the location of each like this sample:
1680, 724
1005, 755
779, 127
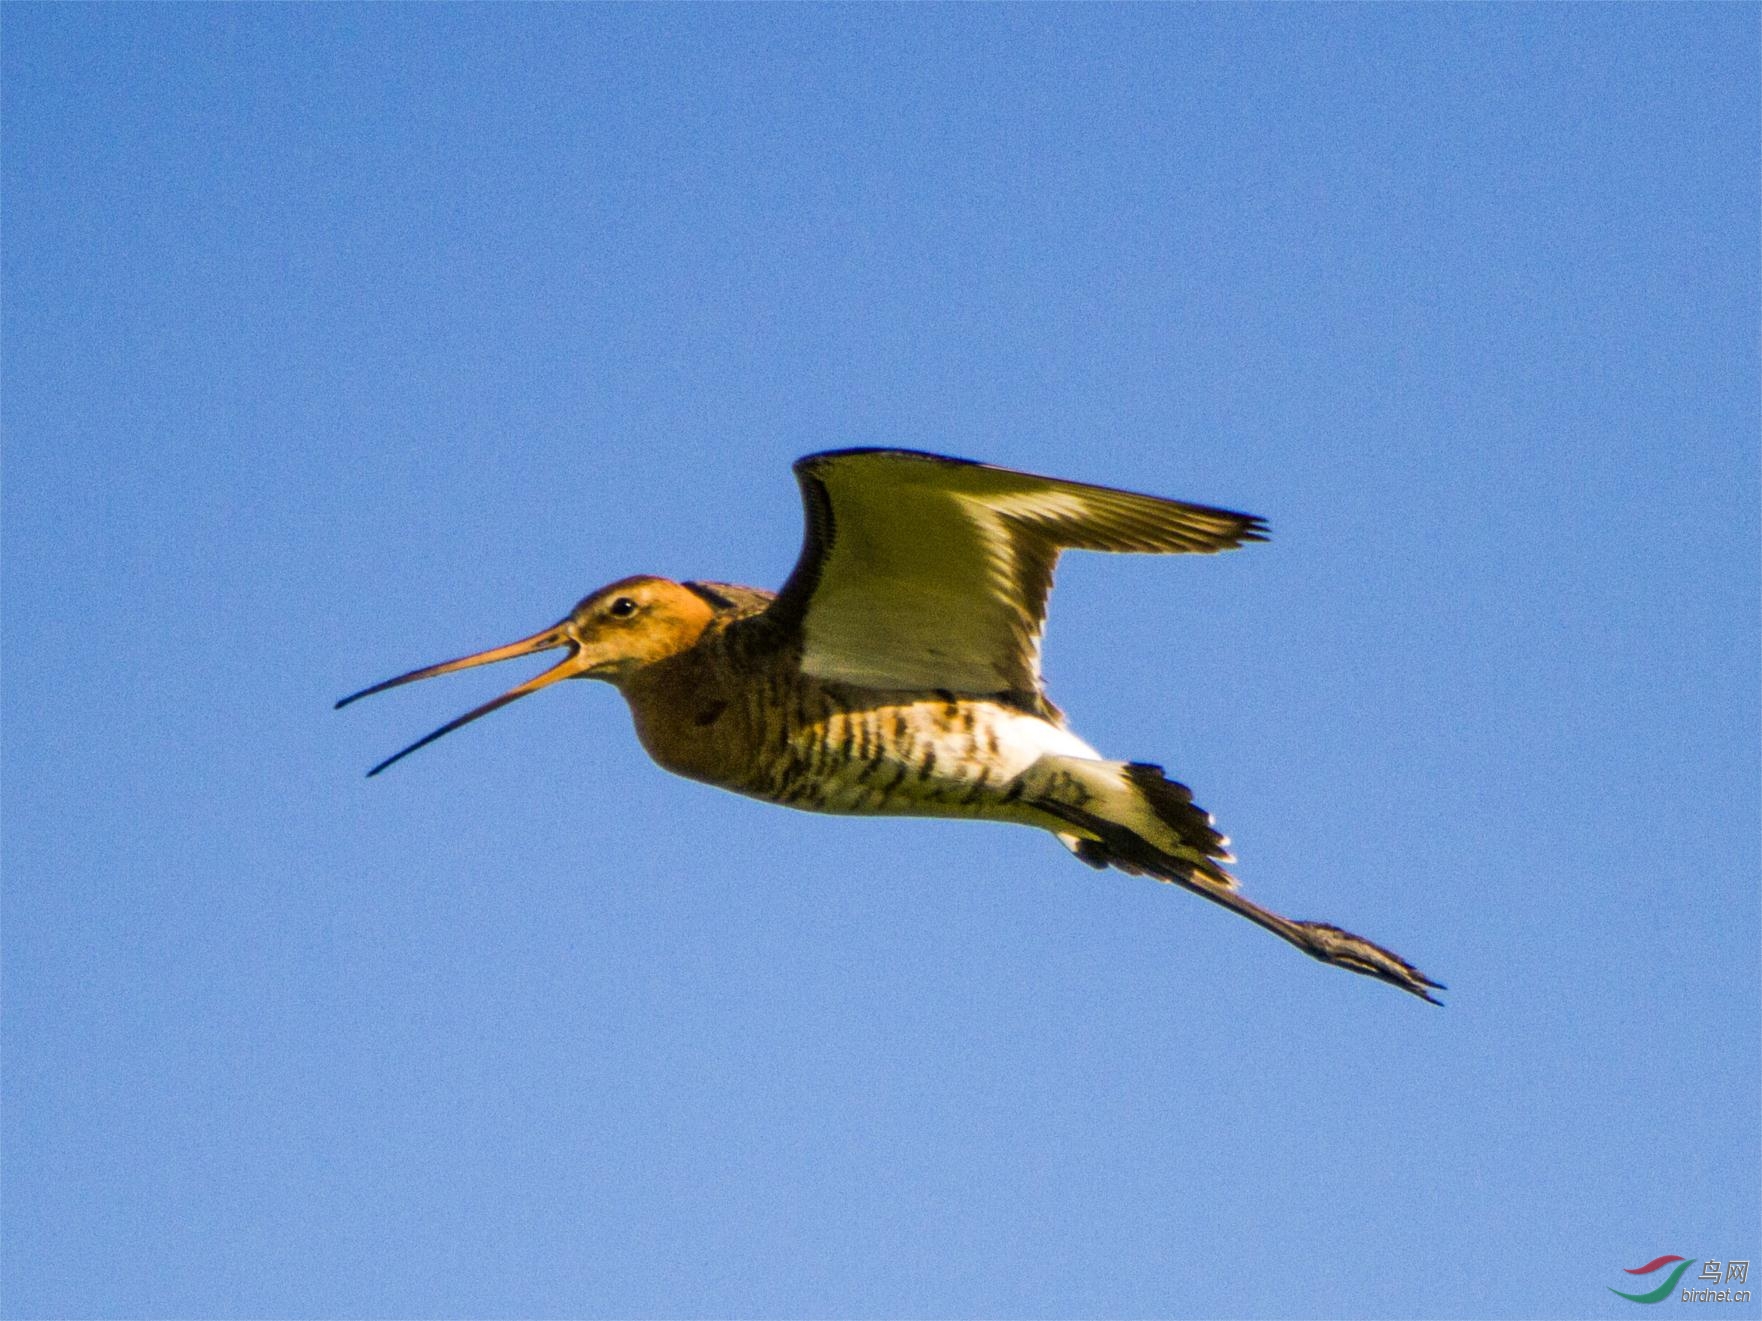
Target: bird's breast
692, 725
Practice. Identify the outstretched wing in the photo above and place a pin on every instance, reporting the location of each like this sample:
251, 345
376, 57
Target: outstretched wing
923, 572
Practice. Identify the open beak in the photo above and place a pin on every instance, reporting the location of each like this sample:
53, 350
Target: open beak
556, 636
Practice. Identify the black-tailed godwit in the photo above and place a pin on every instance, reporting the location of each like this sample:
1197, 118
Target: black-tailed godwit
898, 671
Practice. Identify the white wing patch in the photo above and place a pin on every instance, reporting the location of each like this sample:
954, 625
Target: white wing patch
1038, 505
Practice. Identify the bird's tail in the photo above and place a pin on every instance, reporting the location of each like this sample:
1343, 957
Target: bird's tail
1129, 815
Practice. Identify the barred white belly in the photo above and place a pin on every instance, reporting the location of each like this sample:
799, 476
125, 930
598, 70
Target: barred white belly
924, 758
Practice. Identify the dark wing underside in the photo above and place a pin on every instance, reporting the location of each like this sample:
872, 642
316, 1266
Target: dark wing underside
922, 572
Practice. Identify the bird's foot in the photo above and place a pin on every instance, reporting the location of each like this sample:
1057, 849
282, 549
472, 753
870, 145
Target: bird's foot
1345, 950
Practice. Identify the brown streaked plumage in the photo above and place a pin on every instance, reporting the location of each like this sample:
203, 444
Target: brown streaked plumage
898, 671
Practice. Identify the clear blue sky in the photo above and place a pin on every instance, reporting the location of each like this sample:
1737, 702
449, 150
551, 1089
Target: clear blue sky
338, 340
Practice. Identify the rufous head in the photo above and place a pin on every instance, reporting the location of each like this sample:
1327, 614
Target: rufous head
611, 634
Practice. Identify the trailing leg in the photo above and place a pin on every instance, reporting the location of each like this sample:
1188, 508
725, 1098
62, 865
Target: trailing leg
1128, 815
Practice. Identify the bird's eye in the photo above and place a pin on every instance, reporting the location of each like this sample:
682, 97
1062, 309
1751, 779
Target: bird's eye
623, 607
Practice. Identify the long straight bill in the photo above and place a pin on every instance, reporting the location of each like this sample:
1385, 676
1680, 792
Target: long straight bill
551, 638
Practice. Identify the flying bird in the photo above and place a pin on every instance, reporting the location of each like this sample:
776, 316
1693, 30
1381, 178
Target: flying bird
897, 671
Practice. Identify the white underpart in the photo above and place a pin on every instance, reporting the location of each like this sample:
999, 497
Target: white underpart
1055, 761
1022, 743
1052, 763
1023, 739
